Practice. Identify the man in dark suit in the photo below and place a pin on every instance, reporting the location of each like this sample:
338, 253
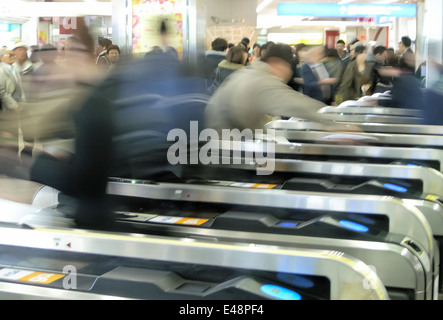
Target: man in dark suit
406, 60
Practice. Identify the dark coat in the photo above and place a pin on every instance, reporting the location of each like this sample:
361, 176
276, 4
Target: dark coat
311, 87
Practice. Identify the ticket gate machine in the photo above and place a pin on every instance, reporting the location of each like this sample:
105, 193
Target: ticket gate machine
290, 228
358, 177
274, 225
61, 263
301, 125
371, 114
283, 149
378, 139
425, 181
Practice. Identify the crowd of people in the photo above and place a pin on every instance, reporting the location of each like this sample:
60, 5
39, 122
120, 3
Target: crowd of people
330, 75
38, 79
245, 96
117, 123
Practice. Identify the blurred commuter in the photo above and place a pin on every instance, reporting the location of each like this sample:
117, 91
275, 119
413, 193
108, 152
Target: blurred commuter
235, 60
121, 130
54, 94
351, 56
300, 54
317, 83
406, 60
249, 98
102, 58
392, 58
265, 47
256, 53
34, 57
213, 57
25, 69
340, 47
433, 96
23, 64
356, 78
406, 91
296, 81
333, 65
377, 60
59, 87
113, 55
245, 42
11, 95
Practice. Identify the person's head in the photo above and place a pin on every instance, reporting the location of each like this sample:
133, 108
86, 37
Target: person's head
340, 46
47, 53
279, 57
237, 55
7, 56
243, 45
103, 44
246, 43
256, 50
219, 44
380, 52
300, 50
405, 43
352, 46
360, 53
265, 47
113, 53
315, 54
20, 50
332, 53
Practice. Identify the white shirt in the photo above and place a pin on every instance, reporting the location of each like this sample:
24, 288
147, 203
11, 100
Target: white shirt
11, 69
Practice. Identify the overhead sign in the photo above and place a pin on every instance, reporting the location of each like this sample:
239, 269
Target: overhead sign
346, 10
5, 27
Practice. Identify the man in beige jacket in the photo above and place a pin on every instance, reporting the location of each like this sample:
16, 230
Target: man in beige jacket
251, 95
11, 95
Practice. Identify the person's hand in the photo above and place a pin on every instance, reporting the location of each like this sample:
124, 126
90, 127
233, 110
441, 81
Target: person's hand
328, 81
389, 72
18, 107
365, 88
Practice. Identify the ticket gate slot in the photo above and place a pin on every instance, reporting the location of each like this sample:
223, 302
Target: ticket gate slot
252, 219
106, 277
429, 204
372, 114
427, 157
284, 169
301, 125
207, 193
357, 231
381, 180
423, 181
222, 194
374, 139
350, 227
365, 110
146, 267
399, 189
